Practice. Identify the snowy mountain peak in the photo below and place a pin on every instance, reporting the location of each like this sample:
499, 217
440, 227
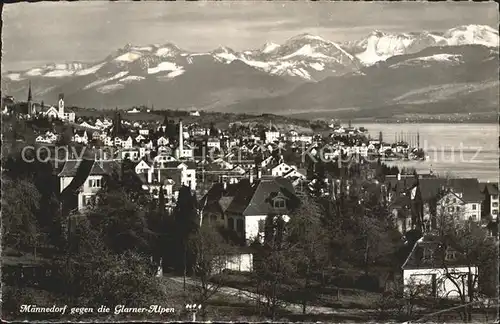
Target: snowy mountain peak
307, 37
269, 47
378, 45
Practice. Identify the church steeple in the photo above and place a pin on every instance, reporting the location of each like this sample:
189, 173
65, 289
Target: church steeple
31, 110
29, 92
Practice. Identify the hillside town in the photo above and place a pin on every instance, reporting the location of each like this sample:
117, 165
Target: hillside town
251, 199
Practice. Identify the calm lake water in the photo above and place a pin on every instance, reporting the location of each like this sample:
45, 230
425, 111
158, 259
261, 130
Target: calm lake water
464, 150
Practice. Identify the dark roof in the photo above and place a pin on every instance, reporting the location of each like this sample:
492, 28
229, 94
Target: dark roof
490, 188
468, 187
417, 260
81, 169
253, 199
401, 185
80, 174
431, 187
70, 167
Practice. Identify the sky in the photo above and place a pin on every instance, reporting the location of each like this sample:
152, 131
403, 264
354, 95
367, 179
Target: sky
36, 34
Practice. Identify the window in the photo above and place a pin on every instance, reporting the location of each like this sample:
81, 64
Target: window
239, 226
95, 183
495, 204
450, 255
458, 209
279, 203
230, 223
473, 217
428, 254
494, 197
450, 209
474, 206
495, 212
262, 225
454, 200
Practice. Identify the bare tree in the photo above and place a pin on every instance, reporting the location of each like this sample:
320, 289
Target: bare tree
309, 246
211, 256
273, 266
474, 250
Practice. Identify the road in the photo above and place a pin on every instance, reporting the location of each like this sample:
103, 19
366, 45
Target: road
291, 307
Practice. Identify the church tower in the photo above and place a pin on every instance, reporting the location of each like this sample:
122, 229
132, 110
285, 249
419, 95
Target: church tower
31, 107
61, 106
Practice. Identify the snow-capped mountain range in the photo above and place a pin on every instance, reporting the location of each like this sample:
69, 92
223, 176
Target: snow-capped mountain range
379, 46
168, 75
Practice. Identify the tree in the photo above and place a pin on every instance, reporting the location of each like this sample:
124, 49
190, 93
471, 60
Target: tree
211, 252
95, 275
185, 223
66, 136
122, 222
309, 243
475, 250
273, 265
20, 201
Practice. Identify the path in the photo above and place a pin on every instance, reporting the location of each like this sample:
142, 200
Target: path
291, 307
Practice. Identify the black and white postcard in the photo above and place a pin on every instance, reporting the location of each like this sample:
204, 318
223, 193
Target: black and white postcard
242, 161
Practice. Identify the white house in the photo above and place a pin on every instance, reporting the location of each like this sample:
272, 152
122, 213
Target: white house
195, 113
272, 136
462, 198
128, 143
213, 143
133, 111
281, 169
80, 137
80, 180
490, 200
162, 141
261, 198
131, 153
51, 112
87, 125
442, 272
144, 131
143, 167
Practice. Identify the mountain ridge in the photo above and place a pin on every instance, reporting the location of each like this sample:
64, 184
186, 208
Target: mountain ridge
304, 71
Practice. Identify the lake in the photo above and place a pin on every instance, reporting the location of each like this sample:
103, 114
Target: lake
463, 150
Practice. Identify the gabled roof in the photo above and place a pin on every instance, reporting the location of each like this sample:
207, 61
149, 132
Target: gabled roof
431, 187
468, 187
431, 244
490, 188
80, 172
254, 199
70, 168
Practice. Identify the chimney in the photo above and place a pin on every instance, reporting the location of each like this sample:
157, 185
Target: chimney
225, 185
399, 176
251, 176
259, 173
159, 175
150, 175
181, 138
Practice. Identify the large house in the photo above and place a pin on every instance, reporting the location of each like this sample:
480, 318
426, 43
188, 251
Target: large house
437, 270
80, 180
170, 176
244, 206
490, 201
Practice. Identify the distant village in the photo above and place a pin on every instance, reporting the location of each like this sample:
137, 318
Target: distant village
241, 174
